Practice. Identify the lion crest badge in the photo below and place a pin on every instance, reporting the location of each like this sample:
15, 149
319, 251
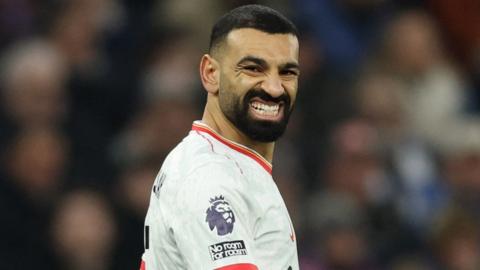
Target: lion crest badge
220, 216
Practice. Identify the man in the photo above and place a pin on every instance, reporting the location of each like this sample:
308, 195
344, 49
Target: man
214, 204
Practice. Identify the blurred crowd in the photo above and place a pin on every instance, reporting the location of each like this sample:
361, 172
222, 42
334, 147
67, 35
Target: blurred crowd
380, 166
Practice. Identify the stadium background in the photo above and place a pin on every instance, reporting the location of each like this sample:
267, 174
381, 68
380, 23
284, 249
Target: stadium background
380, 167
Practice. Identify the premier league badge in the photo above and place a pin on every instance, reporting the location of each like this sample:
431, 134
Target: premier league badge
220, 216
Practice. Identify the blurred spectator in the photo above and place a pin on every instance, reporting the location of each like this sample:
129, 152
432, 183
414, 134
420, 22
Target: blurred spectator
154, 131
461, 24
33, 85
356, 166
338, 234
288, 174
461, 165
167, 108
456, 241
84, 231
324, 99
33, 166
36, 163
383, 100
182, 14
77, 28
16, 20
167, 111
423, 93
131, 198
357, 169
411, 263
434, 90
79, 31
172, 69
344, 30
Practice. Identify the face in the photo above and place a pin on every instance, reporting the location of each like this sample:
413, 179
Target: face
258, 82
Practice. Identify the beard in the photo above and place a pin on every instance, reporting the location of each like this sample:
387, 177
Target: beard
236, 109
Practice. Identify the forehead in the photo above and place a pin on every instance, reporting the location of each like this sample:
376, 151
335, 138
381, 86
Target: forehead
274, 48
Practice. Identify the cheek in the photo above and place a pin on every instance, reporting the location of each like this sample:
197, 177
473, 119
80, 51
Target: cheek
233, 91
247, 82
231, 85
242, 85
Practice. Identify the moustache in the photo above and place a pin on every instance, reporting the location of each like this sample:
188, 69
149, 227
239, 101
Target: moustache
262, 94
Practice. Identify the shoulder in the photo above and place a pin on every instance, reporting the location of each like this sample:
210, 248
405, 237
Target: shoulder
210, 189
213, 172
197, 155
195, 170
211, 177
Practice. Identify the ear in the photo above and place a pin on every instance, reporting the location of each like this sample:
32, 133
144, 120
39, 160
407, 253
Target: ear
209, 74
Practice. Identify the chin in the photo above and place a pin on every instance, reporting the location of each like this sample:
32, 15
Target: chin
264, 131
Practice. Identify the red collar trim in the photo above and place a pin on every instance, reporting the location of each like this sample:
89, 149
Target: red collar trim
235, 146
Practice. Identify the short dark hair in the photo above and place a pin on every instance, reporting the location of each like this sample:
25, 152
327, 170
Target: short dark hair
257, 17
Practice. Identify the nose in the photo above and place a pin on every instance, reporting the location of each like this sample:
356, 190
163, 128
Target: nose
273, 86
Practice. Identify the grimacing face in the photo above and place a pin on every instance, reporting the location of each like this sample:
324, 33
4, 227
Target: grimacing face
258, 82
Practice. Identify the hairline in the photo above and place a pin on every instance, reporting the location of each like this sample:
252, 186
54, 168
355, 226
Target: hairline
222, 42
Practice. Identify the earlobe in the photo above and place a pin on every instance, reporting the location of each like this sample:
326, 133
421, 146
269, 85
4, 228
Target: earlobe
209, 74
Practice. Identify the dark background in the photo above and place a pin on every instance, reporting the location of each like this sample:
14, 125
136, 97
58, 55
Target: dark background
380, 167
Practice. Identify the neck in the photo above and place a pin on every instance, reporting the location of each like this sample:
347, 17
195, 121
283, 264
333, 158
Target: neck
216, 120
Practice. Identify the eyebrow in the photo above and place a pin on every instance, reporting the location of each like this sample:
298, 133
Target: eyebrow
256, 60
261, 62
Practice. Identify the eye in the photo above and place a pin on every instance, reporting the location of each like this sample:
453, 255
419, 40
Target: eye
289, 72
252, 68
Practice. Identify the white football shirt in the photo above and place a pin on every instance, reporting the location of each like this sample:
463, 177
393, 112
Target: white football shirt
214, 205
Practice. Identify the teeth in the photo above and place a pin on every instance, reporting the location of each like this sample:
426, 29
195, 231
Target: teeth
265, 109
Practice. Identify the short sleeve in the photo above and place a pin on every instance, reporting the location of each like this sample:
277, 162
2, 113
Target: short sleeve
213, 223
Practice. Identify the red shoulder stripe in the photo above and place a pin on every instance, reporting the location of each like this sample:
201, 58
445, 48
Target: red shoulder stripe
237, 147
240, 266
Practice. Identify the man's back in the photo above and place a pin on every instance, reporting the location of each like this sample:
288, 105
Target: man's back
214, 205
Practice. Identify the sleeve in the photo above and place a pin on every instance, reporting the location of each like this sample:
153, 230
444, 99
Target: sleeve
213, 227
